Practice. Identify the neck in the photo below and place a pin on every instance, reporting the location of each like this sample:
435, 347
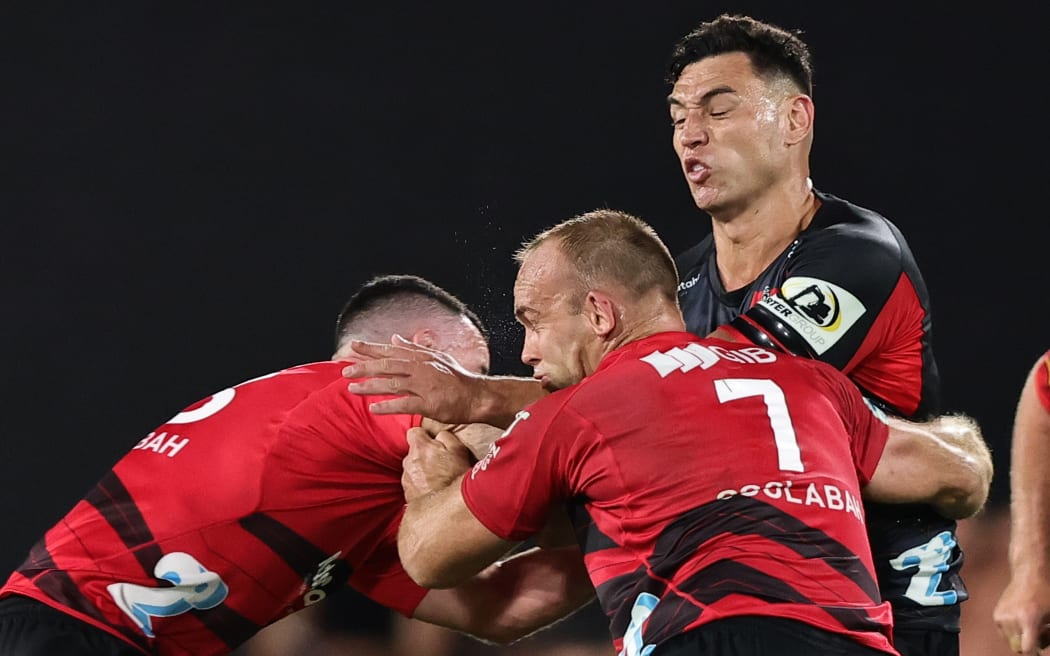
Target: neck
344, 352
668, 319
748, 240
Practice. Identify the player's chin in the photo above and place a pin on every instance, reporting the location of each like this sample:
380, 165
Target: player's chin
705, 198
548, 384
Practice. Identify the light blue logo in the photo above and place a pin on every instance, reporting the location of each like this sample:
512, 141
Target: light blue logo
931, 559
632, 638
194, 587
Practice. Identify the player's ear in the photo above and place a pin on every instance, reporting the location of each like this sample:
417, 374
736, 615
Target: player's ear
601, 313
424, 337
799, 118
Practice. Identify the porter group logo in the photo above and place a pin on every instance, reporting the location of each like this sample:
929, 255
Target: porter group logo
816, 309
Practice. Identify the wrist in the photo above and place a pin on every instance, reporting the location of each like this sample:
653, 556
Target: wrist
503, 397
492, 402
1034, 562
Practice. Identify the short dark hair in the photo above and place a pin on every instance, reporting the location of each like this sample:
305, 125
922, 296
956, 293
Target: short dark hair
772, 50
392, 290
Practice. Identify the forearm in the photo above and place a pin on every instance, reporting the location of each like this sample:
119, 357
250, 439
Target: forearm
944, 463
500, 398
959, 450
513, 598
440, 542
1030, 490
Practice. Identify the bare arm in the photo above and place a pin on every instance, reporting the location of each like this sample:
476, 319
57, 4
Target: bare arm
441, 543
1023, 611
508, 599
513, 598
434, 463
943, 462
433, 384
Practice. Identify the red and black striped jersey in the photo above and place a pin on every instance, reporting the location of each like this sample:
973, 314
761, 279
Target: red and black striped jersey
244, 507
707, 479
848, 291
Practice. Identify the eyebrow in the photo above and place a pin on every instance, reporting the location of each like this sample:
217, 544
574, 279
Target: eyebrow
671, 100
520, 313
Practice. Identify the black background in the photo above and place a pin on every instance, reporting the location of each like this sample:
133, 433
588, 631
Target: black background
190, 191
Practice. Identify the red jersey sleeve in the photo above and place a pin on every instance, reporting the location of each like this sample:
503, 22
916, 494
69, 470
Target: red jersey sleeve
868, 432
512, 489
1042, 380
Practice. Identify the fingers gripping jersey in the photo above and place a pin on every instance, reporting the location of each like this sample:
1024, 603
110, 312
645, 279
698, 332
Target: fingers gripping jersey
709, 481
247, 506
848, 291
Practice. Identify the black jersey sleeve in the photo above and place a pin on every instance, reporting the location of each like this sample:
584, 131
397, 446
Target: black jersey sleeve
835, 284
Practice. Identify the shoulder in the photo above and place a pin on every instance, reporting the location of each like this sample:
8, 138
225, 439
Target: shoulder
328, 415
572, 408
313, 395
824, 379
851, 243
634, 368
260, 398
841, 222
301, 384
306, 376
695, 254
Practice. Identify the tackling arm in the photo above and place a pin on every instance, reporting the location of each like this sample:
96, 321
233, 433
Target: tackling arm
944, 462
441, 543
513, 598
433, 384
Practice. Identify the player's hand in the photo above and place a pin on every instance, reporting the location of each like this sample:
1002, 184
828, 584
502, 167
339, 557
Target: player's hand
432, 463
477, 437
426, 382
1023, 615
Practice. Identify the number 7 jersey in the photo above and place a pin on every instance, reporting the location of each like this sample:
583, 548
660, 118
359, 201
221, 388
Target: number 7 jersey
707, 480
849, 292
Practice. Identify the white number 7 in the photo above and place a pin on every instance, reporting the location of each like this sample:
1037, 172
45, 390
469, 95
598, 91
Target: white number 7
731, 389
